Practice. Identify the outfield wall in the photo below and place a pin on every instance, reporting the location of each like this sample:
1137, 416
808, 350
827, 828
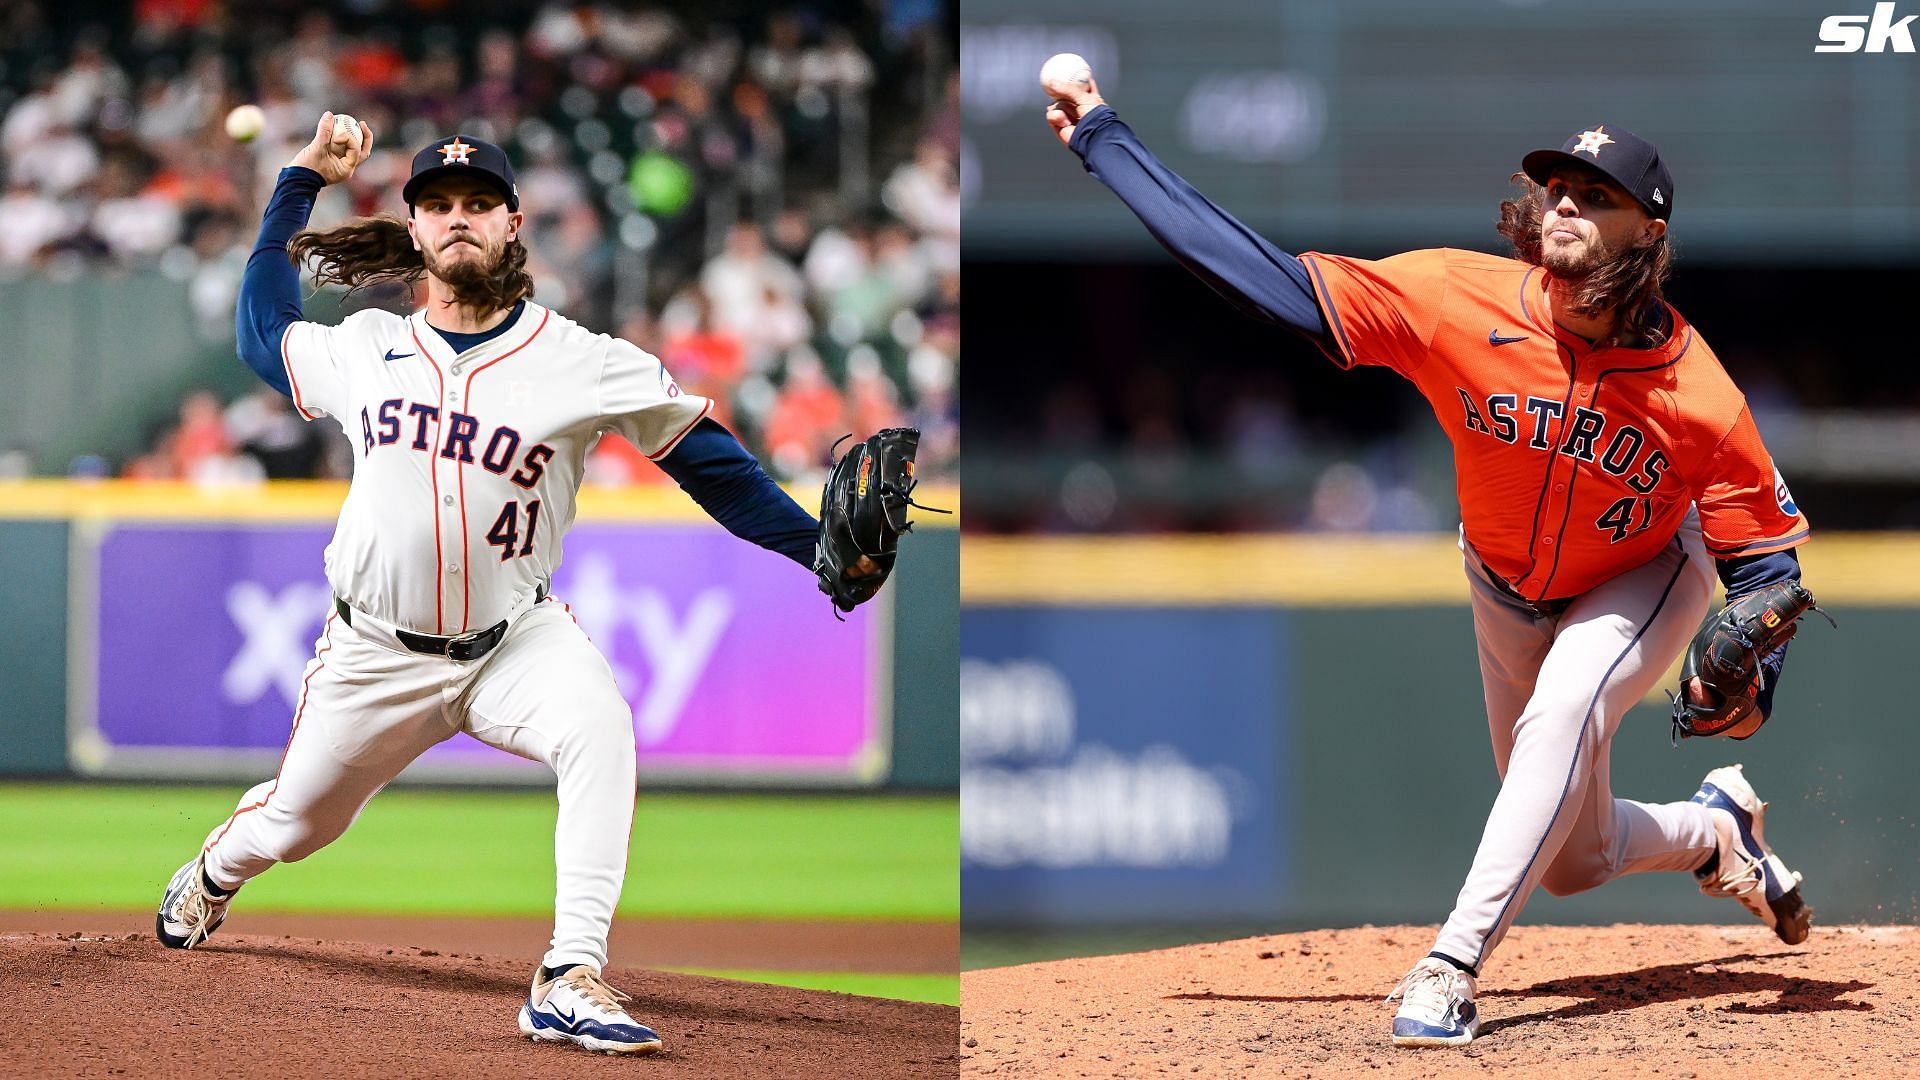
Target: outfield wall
161, 632
1291, 730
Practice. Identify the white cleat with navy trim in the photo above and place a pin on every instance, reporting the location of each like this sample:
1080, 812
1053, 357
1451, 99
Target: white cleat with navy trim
579, 1007
1747, 869
188, 912
1436, 1006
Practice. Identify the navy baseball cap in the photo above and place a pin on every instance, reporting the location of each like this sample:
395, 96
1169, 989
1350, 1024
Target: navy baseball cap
461, 155
1631, 161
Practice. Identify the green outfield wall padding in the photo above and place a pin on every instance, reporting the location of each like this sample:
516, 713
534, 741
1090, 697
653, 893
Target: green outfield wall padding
926, 661
1393, 774
33, 648
94, 366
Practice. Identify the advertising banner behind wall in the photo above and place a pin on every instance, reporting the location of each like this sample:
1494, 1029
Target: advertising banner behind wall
1121, 764
197, 638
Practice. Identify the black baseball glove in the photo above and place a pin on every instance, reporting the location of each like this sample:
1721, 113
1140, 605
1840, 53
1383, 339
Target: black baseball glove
1727, 656
863, 511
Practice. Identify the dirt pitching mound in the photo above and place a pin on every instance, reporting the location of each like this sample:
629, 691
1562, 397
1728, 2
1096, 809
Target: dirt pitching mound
1622, 1001
240, 1006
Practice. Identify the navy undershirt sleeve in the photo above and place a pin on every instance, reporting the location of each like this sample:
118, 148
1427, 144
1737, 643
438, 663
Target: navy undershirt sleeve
270, 289
1252, 274
711, 465
1742, 576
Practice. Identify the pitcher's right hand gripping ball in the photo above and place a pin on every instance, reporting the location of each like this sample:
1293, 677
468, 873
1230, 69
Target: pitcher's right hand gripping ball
1725, 655
340, 145
1068, 80
863, 511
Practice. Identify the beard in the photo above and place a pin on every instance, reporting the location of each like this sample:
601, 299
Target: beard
463, 272
1592, 257
490, 279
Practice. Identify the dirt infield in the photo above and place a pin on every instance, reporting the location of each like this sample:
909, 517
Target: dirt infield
903, 947
240, 1005
1619, 1001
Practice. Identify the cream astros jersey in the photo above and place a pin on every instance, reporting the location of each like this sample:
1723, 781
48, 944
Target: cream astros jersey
466, 466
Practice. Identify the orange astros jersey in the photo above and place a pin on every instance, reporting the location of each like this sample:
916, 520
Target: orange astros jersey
1573, 463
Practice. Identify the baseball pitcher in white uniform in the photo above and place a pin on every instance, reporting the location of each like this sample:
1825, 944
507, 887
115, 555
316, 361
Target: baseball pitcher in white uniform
470, 422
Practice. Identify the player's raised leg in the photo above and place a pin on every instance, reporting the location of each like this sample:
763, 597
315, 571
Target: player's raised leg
365, 712
1609, 649
1611, 836
549, 696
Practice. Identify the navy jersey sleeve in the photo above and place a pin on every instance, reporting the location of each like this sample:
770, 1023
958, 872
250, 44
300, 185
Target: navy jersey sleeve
1742, 576
270, 289
711, 465
1252, 274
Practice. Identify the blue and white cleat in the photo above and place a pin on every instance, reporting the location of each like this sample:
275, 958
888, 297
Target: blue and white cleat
188, 913
1747, 869
579, 1007
1436, 1006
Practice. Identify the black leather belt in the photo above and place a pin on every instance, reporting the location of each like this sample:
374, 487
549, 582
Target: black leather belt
462, 647
1541, 609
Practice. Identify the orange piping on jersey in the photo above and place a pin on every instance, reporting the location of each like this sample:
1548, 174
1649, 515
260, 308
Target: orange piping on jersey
568, 608
675, 441
466, 556
433, 474
305, 685
460, 470
286, 363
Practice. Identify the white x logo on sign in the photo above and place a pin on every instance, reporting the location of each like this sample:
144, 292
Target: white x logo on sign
277, 633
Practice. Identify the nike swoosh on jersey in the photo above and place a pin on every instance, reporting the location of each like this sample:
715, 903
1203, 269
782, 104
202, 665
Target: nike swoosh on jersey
392, 356
1494, 338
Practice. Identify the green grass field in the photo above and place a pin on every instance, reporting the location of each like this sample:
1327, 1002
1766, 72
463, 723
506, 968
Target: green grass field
435, 852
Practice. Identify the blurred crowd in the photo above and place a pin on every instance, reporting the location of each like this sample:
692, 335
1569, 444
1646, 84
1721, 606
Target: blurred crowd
769, 202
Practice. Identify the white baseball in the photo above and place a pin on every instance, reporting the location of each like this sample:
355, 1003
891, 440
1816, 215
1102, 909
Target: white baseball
346, 128
1064, 70
245, 123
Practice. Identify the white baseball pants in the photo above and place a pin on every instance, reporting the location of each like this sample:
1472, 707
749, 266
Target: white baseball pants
1556, 690
369, 707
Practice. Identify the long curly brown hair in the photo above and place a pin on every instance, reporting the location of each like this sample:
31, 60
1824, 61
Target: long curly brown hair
1627, 284
371, 250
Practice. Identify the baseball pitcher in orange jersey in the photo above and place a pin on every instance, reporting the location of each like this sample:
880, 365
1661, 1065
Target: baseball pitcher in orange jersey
1607, 469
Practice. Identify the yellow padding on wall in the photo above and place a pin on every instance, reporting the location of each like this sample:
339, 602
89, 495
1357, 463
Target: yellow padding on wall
1322, 570
319, 500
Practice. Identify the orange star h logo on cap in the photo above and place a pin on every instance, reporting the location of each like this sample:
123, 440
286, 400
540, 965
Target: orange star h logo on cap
456, 152
1592, 141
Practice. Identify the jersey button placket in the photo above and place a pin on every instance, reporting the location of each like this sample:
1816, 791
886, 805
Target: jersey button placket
454, 525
